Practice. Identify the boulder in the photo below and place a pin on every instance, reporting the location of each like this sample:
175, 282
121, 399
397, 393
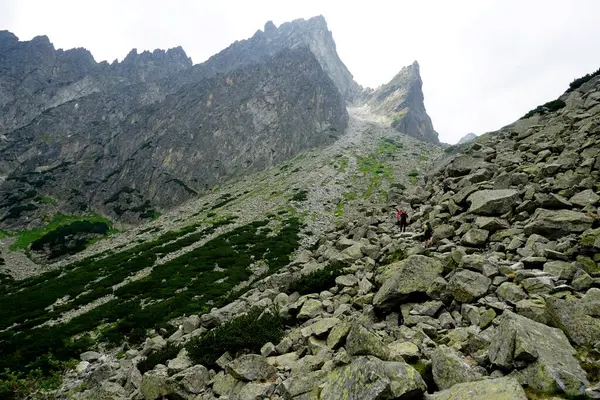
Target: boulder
510, 292
549, 358
90, 356
304, 383
310, 309
320, 327
403, 351
467, 286
493, 202
591, 239
254, 390
405, 278
586, 198
364, 342
346, 280
450, 368
444, 231
251, 367
337, 335
573, 317
369, 378
555, 224
155, 384
496, 389
491, 224
192, 380
475, 237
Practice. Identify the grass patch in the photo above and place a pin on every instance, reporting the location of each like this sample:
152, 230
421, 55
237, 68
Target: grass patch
246, 333
25, 238
339, 210
47, 200
317, 281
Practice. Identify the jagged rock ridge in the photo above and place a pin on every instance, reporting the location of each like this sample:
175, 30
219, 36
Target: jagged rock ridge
99, 136
467, 138
402, 101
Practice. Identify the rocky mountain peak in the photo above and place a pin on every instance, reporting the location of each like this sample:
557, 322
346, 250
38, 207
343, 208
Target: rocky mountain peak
467, 138
402, 101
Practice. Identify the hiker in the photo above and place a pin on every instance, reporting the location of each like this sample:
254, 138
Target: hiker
427, 234
402, 218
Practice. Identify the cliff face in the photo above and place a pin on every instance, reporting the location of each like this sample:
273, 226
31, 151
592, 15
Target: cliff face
402, 101
126, 139
312, 33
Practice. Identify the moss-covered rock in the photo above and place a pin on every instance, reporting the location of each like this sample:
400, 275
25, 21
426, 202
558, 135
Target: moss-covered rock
369, 378
496, 389
450, 368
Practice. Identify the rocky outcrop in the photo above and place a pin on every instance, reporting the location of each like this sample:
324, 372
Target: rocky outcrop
401, 100
130, 152
467, 138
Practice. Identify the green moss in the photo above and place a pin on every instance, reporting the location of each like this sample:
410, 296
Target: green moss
47, 200
26, 237
339, 210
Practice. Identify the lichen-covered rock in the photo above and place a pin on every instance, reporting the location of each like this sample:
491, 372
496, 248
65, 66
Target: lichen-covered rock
489, 389
369, 378
450, 368
573, 318
155, 384
338, 334
251, 367
493, 202
402, 279
511, 292
192, 380
467, 286
403, 351
363, 342
558, 223
474, 237
550, 363
310, 309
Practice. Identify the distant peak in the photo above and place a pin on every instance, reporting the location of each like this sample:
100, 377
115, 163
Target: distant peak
270, 27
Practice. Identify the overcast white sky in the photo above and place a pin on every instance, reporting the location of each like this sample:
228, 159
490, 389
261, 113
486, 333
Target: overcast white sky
484, 63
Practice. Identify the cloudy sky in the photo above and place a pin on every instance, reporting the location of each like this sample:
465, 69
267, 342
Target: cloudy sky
484, 63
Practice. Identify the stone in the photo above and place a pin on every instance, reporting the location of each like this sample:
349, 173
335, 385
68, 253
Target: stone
90, 356
546, 352
82, 367
297, 385
346, 280
251, 367
534, 309
403, 351
493, 202
555, 224
591, 238
193, 379
255, 390
320, 327
510, 292
491, 224
475, 237
155, 384
110, 391
444, 231
369, 378
310, 309
268, 349
405, 278
153, 344
450, 368
489, 389
181, 362
467, 286
364, 342
190, 324
284, 346
573, 318
582, 280
337, 335
585, 198
225, 384
560, 269
538, 284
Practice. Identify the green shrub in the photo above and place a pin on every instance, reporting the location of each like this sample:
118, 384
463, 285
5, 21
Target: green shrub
158, 357
545, 108
60, 241
300, 196
317, 281
580, 81
246, 333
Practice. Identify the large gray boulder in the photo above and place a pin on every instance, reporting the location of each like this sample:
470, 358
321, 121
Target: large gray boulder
363, 342
402, 279
155, 384
369, 378
475, 237
493, 202
511, 293
550, 363
251, 367
467, 286
450, 368
558, 223
490, 389
575, 318
192, 380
